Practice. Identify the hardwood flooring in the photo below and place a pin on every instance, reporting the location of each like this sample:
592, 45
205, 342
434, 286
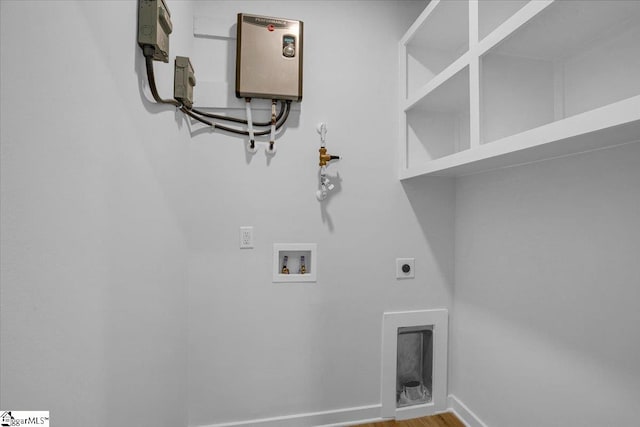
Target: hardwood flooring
446, 419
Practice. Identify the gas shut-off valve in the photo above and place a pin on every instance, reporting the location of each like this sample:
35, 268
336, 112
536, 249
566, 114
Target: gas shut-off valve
325, 158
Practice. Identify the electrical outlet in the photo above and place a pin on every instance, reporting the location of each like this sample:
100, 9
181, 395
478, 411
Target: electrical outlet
246, 237
405, 268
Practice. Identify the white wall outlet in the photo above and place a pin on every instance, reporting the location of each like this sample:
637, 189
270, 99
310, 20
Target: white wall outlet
405, 268
246, 237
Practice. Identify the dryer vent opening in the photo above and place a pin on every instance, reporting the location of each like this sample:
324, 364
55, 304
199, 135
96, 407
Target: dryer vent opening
414, 371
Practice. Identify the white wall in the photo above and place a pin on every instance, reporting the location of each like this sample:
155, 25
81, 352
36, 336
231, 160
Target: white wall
93, 272
112, 211
259, 349
547, 293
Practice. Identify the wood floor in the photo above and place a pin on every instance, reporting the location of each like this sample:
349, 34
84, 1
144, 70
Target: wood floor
441, 420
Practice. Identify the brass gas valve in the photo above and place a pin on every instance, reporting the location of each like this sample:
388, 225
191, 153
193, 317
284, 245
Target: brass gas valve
326, 158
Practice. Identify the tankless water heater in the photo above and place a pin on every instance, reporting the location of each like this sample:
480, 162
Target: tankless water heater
269, 58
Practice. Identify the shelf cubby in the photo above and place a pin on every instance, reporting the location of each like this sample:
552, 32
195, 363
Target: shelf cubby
566, 60
439, 37
438, 123
542, 79
492, 13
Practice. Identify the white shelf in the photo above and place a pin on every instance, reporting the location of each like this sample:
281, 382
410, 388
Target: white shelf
611, 125
492, 13
437, 81
513, 23
436, 40
440, 117
540, 80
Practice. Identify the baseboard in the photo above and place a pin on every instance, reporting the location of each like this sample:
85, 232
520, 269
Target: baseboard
463, 413
349, 417
333, 418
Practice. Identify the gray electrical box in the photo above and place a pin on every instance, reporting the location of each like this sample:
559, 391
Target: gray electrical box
269, 58
184, 80
154, 27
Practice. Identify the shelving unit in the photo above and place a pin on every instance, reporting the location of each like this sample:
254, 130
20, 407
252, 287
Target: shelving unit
442, 118
533, 80
436, 44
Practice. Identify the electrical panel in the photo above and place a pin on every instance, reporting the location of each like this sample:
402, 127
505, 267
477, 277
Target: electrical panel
184, 80
154, 27
269, 58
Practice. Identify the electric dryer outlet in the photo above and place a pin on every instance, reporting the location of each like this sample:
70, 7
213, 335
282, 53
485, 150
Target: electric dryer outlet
405, 268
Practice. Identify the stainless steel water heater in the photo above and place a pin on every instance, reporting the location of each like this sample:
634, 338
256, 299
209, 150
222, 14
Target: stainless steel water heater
269, 58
